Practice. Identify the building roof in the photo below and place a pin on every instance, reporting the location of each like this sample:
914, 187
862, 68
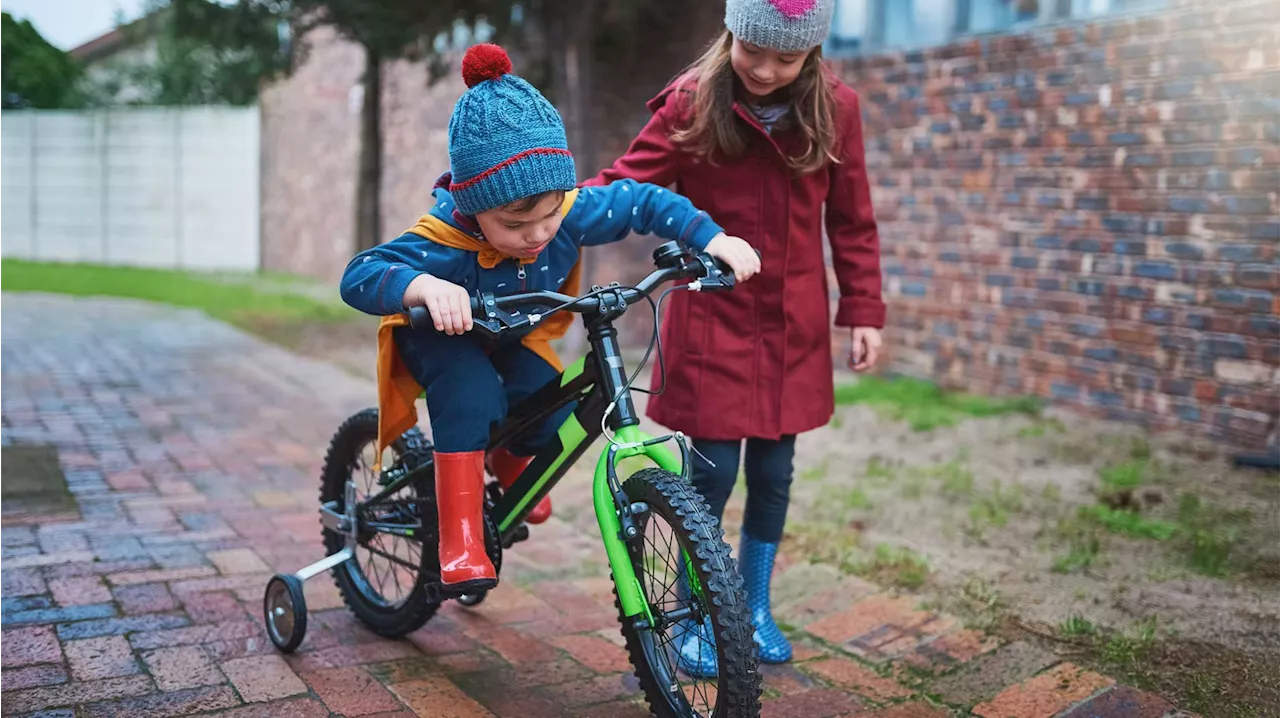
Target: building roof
110, 43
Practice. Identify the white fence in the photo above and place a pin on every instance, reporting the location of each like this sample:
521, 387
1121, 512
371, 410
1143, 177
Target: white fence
153, 187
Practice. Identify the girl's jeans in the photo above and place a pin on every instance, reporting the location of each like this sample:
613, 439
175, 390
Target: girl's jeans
470, 390
769, 469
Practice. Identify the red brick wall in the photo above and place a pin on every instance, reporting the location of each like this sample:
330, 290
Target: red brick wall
1089, 213
310, 153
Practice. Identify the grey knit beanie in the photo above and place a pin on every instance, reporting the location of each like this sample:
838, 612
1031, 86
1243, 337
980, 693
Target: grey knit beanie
782, 25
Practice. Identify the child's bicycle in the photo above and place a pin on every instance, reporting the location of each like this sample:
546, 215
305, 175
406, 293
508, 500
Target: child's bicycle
671, 568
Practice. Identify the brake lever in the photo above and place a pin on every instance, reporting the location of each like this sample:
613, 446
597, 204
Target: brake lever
717, 276
489, 319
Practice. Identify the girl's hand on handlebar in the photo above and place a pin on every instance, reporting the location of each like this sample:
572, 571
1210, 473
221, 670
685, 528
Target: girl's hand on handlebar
736, 253
449, 304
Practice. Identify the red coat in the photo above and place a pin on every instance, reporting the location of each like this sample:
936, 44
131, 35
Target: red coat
757, 362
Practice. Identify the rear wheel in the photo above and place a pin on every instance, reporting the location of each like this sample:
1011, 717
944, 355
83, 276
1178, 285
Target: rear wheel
688, 579
383, 583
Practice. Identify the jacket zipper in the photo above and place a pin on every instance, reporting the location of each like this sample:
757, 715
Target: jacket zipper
521, 274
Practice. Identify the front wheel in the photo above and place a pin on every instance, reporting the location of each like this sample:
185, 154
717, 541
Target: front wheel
699, 658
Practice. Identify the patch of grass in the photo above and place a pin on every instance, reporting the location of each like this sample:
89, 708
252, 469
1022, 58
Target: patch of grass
1212, 538
1041, 428
838, 501
1051, 493
1207, 539
894, 566
926, 406
1076, 626
979, 604
245, 300
878, 468
992, 509
857, 499
816, 473
1127, 475
831, 544
1123, 650
1084, 546
1129, 523
914, 486
956, 479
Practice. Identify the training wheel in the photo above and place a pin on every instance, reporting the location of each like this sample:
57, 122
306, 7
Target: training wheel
473, 599
284, 609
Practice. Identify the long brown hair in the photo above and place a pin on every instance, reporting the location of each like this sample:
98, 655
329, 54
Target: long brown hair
715, 130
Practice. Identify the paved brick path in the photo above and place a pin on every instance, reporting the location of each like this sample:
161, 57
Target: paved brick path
192, 451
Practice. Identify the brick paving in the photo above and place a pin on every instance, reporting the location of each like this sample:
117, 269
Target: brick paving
192, 452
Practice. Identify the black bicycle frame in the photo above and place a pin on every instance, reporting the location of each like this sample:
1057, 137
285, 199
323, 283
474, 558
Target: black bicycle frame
592, 382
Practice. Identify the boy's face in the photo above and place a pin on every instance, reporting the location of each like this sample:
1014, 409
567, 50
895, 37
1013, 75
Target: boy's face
526, 233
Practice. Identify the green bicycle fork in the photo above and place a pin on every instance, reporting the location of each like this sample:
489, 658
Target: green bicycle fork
630, 593
634, 442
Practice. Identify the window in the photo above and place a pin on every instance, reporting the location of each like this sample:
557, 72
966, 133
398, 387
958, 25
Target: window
871, 25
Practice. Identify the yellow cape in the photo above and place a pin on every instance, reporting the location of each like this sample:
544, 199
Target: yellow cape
397, 389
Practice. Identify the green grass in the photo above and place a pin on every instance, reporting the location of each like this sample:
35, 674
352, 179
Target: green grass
926, 406
1041, 428
1128, 523
1127, 475
816, 473
1076, 626
894, 566
879, 469
992, 509
246, 300
1212, 538
1084, 546
1123, 650
1205, 538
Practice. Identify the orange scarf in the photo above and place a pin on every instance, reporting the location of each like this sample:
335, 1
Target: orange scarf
397, 389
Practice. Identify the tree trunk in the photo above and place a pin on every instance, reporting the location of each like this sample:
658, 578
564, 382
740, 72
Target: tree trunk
570, 31
369, 183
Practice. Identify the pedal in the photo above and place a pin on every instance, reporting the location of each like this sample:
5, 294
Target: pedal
520, 534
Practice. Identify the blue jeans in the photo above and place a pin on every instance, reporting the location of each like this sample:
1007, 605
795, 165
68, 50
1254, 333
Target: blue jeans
769, 470
469, 389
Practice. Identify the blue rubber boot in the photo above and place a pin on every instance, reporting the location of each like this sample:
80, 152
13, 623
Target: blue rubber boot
695, 643
756, 565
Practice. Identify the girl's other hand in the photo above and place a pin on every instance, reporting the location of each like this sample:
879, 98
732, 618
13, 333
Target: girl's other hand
735, 252
866, 348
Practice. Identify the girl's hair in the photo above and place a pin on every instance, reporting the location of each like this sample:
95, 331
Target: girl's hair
715, 131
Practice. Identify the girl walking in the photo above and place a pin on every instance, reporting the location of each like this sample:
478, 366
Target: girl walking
762, 136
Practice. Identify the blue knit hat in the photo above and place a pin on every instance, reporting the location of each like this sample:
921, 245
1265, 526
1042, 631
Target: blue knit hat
506, 142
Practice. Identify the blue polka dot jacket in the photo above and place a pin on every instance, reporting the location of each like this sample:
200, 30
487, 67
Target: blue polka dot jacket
376, 279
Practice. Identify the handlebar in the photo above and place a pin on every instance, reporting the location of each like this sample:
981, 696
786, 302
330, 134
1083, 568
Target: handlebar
493, 315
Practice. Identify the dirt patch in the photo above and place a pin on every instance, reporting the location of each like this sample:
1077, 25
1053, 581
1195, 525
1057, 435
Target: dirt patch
1022, 507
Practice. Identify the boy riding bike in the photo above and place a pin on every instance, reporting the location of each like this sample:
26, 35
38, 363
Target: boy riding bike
507, 219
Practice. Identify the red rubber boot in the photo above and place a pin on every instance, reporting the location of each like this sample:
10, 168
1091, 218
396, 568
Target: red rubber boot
506, 468
464, 564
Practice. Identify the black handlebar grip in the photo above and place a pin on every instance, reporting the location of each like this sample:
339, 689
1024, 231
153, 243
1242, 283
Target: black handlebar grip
420, 318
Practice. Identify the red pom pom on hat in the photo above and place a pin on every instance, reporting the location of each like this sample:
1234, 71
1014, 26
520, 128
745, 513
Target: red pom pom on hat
484, 62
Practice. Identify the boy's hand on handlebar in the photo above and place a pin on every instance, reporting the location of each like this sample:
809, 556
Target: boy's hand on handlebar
736, 253
449, 304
